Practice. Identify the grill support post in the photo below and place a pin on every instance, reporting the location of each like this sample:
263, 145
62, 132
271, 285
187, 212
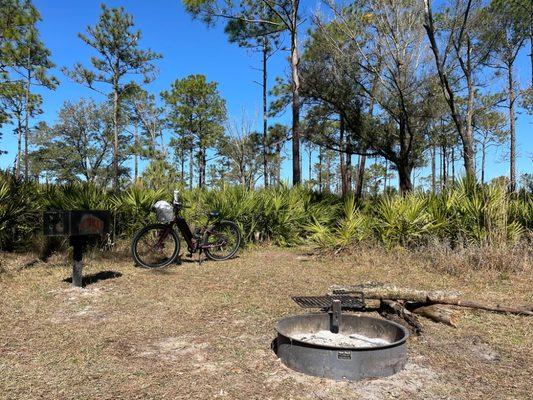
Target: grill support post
77, 263
336, 316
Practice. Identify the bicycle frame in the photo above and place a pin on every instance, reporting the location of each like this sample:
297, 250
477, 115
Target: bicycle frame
193, 244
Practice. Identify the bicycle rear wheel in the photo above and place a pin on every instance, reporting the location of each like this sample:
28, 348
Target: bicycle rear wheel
222, 241
155, 246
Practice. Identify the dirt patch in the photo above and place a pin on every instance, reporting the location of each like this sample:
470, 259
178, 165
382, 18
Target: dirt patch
78, 303
412, 381
175, 348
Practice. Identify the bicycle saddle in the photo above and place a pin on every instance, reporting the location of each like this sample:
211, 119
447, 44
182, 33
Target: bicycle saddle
213, 214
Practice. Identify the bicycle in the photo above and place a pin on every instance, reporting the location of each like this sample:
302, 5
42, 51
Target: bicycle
158, 245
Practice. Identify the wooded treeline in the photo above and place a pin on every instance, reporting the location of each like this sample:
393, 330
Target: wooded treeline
405, 84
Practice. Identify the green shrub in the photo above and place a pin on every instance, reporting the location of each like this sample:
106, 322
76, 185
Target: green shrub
19, 212
467, 214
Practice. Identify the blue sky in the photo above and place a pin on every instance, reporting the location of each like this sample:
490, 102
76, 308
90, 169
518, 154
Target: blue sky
189, 47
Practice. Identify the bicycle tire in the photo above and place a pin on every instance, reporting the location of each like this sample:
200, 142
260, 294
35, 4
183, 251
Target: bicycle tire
235, 247
140, 261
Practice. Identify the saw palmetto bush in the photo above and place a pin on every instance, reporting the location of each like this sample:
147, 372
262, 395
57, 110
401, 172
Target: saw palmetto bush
468, 214
19, 212
403, 220
483, 215
284, 214
132, 208
350, 226
75, 196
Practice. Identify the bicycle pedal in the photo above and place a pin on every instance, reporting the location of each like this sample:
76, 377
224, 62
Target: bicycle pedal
189, 255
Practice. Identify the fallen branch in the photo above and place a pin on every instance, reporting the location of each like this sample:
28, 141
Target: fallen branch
439, 313
395, 311
390, 292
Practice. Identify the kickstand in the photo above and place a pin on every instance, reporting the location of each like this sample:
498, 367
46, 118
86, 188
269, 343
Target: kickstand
200, 257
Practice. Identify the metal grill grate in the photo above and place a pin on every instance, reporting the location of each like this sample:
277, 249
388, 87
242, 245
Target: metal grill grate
348, 302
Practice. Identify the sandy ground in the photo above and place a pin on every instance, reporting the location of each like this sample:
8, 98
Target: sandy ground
204, 332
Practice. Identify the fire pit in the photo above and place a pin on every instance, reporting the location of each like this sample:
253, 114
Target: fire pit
341, 346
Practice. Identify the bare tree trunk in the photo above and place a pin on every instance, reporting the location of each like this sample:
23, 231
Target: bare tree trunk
464, 133
453, 165
328, 174
265, 116
342, 158
191, 167
136, 156
201, 167
531, 41
27, 127
310, 169
386, 176
433, 170
362, 158
483, 155
512, 126
182, 162
19, 145
349, 172
469, 150
444, 166
115, 136
360, 177
295, 61
320, 169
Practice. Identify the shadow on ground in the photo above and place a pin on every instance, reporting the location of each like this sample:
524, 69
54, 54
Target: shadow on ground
99, 276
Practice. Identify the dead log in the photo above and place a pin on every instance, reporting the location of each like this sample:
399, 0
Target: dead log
526, 310
439, 313
395, 311
390, 292
375, 290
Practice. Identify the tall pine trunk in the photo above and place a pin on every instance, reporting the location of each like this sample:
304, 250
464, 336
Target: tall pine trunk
385, 176
512, 126
265, 116
531, 41
182, 165
483, 158
115, 135
201, 167
27, 126
136, 156
191, 167
453, 165
342, 157
19, 145
310, 167
433, 171
328, 174
320, 156
360, 176
295, 61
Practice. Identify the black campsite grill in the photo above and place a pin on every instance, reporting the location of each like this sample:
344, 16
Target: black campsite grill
319, 343
82, 227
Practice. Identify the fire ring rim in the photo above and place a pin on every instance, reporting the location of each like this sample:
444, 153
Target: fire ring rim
399, 342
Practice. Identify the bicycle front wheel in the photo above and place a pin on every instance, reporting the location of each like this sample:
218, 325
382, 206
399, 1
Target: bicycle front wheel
155, 246
222, 241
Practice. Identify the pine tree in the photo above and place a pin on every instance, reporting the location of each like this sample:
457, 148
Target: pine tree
196, 111
119, 55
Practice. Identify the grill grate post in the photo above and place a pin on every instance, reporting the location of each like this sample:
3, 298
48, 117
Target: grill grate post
346, 301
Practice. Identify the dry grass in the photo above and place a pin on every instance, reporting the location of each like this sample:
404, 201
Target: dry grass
204, 332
